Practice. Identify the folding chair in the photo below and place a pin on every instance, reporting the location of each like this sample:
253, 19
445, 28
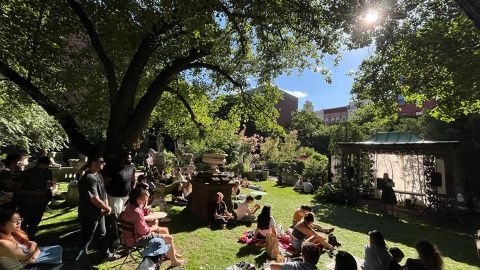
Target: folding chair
124, 226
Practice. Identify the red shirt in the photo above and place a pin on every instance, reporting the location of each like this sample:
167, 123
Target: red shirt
134, 215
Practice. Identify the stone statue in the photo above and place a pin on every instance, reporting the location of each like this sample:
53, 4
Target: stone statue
53, 163
184, 159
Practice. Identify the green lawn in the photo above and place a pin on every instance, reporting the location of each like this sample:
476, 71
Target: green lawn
216, 249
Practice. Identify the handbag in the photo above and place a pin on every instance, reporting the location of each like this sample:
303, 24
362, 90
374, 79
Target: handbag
272, 247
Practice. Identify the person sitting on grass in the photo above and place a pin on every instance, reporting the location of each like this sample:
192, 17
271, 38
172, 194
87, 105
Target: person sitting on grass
310, 257
377, 256
221, 216
301, 212
134, 213
248, 184
429, 257
244, 213
303, 232
265, 224
298, 185
236, 188
397, 257
345, 261
307, 187
17, 252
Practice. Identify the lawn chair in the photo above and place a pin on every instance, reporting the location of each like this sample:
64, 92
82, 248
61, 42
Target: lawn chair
123, 226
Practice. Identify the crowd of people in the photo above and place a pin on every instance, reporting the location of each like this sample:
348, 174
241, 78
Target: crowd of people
111, 193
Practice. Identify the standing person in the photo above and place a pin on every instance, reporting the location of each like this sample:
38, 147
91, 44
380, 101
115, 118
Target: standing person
93, 205
10, 172
388, 194
310, 257
429, 257
244, 213
377, 256
33, 187
7, 181
119, 180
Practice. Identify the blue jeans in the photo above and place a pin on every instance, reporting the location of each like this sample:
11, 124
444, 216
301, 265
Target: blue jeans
51, 254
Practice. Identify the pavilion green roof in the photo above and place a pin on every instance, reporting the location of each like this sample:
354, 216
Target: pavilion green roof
394, 137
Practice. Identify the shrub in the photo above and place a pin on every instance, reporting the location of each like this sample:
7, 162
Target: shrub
337, 193
331, 193
201, 166
232, 167
300, 166
316, 170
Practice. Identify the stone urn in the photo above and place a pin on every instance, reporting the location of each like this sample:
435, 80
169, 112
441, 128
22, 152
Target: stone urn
213, 160
77, 164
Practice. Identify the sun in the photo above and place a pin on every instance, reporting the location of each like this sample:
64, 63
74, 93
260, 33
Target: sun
371, 17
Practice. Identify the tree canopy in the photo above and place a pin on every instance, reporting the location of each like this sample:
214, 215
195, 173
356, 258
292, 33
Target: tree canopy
431, 53
108, 64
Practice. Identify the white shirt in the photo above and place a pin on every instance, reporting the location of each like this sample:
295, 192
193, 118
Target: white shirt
243, 210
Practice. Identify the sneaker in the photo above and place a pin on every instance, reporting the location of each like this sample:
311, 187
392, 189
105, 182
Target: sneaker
112, 256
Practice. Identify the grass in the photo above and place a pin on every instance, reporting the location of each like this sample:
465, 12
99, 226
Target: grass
205, 248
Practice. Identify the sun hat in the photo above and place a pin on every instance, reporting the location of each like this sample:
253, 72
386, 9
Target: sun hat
156, 247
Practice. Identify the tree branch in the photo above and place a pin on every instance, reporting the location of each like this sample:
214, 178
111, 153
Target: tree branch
135, 69
63, 117
217, 69
139, 117
97, 45
187, 106
231, 17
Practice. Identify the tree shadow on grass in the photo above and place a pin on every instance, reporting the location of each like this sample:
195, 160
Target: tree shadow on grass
66, 234
247, 250
453, 244
185, 221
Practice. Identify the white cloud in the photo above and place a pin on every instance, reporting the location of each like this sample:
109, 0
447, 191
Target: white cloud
298, 94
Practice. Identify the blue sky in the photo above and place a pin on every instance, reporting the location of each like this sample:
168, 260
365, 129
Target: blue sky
310, 85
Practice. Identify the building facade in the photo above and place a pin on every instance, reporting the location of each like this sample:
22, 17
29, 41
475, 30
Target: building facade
336, 115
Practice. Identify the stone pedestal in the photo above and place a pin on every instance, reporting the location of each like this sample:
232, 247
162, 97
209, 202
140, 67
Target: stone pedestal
202, 197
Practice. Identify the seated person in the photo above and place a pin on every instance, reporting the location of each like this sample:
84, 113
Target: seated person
244, 213
187, 190
298, 185
265, 224
247, 184
141, 179
376, 253
301, 212
16, 251
345, 261
221, 216
307, 187
303, 232
178, 176
134, 213
236, 188
310, 257
429, 257
397, 257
